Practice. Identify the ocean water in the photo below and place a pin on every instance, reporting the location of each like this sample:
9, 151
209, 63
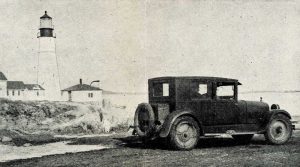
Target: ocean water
288, 101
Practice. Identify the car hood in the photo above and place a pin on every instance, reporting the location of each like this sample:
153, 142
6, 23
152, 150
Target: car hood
253, 106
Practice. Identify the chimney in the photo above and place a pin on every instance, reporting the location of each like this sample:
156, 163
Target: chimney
80, 81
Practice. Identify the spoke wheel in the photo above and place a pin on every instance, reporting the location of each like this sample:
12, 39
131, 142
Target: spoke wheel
279, 130
184, 133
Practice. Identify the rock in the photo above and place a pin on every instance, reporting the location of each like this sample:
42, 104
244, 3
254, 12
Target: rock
106, 125
3, 123
27, 145
130, 131
6, 139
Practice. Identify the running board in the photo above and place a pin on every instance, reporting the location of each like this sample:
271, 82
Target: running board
229, 132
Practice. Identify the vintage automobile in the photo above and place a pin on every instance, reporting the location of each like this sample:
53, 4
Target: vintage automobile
183, 109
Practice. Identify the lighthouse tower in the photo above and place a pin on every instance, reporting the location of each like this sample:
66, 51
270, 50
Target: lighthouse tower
48, 74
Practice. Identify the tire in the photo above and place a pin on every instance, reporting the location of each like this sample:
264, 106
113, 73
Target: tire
243, 139
144, 120
278, 130
184, 134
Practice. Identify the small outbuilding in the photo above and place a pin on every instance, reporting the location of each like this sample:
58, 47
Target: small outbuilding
34, 91
82, 93
17, 90
3, 85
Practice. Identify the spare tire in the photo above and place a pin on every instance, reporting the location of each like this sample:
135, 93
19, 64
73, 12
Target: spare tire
144, 120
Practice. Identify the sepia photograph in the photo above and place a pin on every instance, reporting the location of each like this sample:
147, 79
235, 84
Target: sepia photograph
145, 83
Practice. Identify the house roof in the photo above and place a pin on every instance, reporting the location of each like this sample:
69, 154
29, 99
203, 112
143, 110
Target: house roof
21, 85
2, 76
82, 87
33, 87
15, 85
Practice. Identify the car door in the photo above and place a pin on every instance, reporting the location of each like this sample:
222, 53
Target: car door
224, 105
225, 112
200, 101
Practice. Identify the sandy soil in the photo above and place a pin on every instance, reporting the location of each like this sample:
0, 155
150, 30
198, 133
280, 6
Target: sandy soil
9, 152
210, 152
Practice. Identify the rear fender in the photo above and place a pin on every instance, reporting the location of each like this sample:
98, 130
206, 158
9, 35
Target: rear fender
166, 127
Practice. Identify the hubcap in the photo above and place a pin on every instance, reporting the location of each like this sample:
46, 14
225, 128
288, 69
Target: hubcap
279, 131
186, 134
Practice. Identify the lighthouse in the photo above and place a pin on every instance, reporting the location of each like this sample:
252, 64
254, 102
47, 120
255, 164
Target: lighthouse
48, 72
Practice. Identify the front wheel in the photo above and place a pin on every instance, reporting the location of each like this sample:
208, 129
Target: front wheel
279, 130
184, 133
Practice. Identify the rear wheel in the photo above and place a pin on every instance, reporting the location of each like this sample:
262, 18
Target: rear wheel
279, 130
184, 133
244, 139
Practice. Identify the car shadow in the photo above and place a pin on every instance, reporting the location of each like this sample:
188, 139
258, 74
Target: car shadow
142, 143
139, 143
98, 140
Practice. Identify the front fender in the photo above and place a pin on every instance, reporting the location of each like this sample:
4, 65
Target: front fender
271, 114
278, 111
166, 127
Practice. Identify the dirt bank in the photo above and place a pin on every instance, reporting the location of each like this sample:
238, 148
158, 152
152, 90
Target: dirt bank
38, 121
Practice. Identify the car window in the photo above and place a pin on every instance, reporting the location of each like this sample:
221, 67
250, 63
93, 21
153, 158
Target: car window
199, 90
160, 89
165, 89
225, 92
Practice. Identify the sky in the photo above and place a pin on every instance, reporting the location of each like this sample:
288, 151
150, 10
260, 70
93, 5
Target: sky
123, 43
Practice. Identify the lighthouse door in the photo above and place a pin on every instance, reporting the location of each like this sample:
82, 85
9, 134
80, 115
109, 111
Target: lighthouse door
70, 95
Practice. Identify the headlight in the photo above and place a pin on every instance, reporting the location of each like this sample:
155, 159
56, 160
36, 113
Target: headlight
275, 107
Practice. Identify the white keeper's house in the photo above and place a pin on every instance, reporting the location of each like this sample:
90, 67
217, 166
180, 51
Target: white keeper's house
17, 90
82, 93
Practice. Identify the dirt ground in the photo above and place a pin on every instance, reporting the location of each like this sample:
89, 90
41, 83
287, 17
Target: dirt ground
127, 151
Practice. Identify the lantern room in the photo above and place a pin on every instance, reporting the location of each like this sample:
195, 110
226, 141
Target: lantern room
46, 27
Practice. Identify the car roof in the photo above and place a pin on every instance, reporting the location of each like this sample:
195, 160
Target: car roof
203, 78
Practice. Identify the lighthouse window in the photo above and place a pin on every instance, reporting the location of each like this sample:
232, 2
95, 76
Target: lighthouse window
13, 92
37, 93
7, 93
46, 23
18, 93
